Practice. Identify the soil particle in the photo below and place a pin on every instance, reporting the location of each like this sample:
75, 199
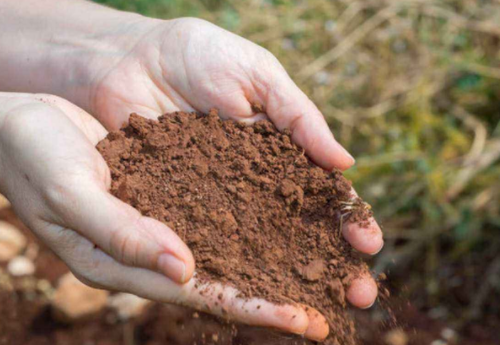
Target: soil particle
256, 212
336, 291
313, 271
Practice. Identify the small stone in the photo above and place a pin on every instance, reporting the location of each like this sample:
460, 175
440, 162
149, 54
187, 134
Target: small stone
21, 266
382, 277
45, 288
4, 203
322, 77
439, 342
32, 250
287, 187
330, 25
127, 306
231, 189
12, 241
449, 334
265, 180
396, 337
74, 301
287, 44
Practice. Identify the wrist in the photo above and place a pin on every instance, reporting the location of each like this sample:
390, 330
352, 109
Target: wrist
63, 48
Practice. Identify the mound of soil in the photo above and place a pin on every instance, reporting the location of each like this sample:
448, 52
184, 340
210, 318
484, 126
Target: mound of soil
26, 318
255, 211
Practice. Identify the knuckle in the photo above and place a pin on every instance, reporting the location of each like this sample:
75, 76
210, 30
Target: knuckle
78, 253
90, 270
88, 280
21, 122
125, 247
20, 117
118, 244
267, 55
62, 196
268, 60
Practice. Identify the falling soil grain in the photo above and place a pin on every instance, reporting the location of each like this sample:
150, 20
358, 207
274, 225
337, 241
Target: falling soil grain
256, 212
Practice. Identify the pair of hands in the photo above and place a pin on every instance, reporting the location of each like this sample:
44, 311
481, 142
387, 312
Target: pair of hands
58, 183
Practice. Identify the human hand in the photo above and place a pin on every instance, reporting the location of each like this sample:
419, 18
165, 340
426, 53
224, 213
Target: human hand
57, 183
189, 64
113, 63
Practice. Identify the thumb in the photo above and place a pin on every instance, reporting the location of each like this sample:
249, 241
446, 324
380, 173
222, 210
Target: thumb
123, 233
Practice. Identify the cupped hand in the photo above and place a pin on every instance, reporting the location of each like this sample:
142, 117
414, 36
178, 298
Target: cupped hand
58, 184
189, 64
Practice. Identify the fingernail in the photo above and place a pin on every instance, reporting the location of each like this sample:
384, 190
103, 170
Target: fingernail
369, 306
172, 267
378, 250
348, 154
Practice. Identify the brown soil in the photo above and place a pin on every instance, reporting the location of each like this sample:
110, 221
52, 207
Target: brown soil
256, 212
26, 319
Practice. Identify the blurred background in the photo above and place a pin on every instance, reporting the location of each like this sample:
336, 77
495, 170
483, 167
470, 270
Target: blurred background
412, 89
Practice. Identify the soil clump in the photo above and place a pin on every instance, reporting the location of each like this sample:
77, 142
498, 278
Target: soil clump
256, 212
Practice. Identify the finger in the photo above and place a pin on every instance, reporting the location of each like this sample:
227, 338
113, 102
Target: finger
88, 263
90, 127
318, 328
218, 300
223, 301
366, 236
123, 233
362, 292
288, 107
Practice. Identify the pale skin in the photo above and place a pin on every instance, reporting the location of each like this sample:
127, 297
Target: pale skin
108, 64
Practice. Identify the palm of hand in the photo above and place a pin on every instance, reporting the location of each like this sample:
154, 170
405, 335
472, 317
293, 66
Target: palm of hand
191, 65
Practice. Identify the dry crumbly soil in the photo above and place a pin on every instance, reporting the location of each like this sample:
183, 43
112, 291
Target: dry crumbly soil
256, 212
26, 318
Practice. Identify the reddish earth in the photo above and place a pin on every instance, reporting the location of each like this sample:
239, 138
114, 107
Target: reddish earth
26, 319
255, 211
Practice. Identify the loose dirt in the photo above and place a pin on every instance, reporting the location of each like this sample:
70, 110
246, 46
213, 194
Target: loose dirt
256, 212
27, 318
